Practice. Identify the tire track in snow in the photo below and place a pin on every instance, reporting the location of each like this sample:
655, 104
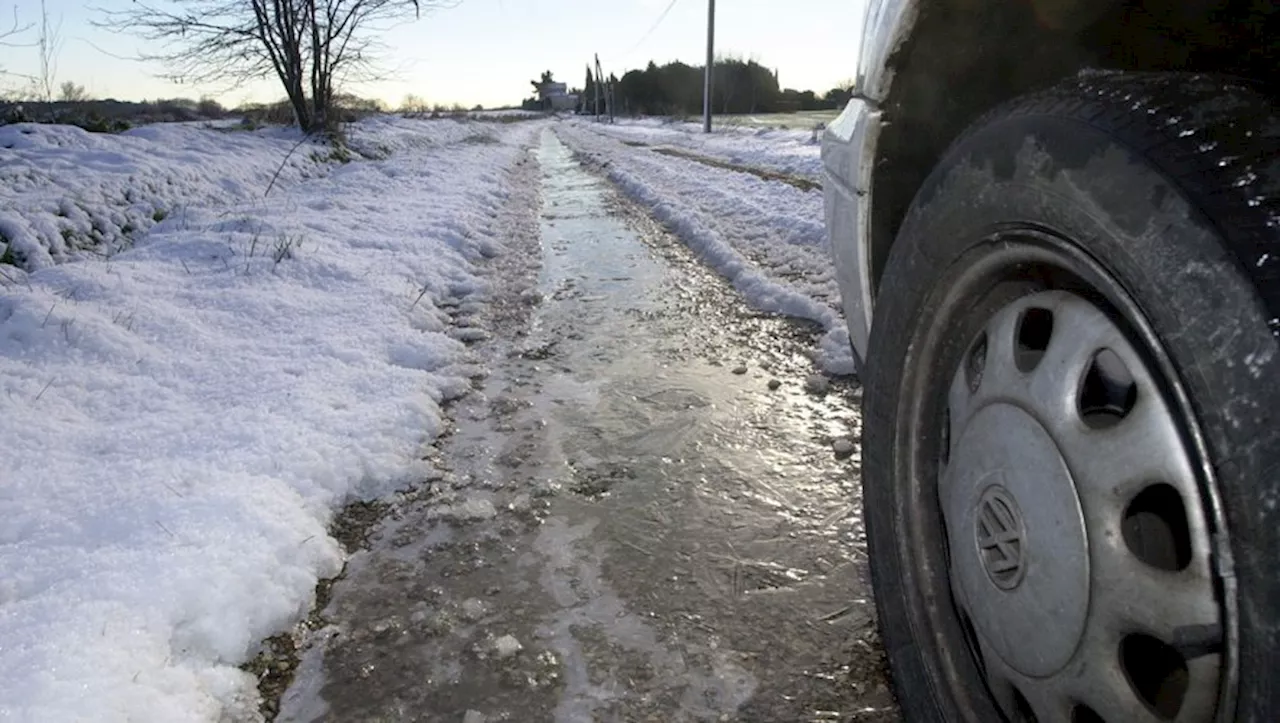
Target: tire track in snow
766, 237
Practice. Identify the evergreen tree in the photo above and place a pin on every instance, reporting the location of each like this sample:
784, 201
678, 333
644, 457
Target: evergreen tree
741, 86
589, 94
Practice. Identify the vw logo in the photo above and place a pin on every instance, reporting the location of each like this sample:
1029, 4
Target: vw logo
1000, 535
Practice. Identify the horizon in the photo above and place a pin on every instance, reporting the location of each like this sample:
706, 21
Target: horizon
504, 48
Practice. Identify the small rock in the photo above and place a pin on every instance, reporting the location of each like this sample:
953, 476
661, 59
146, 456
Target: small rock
521, 503
476, 508
507, 646
843, 448
473, 609
469, 333
774, 384
817, 384
546, 488
473, 716
439, 624
740, 369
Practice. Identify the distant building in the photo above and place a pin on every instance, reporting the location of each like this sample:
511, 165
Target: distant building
556, 96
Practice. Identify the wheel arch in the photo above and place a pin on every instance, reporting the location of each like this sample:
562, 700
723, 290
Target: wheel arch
933, 67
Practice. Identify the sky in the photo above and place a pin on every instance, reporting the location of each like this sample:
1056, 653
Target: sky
485, 52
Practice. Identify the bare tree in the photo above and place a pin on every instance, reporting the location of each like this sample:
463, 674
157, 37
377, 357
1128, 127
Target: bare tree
414, 104
210, 108
310, 46
69, 92
49, 44
8, 36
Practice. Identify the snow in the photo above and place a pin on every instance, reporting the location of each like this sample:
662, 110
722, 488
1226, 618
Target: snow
795, 152
67, 194
506, 113
765, 236
63, 189
379, 136
182, 419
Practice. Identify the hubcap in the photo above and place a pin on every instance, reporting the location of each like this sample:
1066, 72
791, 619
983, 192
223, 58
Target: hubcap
1019, 553
1079, 553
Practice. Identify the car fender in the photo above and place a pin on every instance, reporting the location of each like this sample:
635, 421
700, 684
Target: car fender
848, 158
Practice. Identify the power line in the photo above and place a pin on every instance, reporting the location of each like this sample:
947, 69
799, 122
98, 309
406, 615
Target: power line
652, 28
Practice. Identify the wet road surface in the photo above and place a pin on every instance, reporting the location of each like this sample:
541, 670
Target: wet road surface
639, 515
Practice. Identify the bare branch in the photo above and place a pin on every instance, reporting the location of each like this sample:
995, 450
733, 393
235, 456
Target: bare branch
309, 46
17, 28
50, 44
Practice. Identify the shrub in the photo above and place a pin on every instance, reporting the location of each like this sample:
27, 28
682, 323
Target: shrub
257, 115
9, 257
414, 104
210, 108
95, 123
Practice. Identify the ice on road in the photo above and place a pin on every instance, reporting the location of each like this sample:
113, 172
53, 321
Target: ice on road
639, 516
765, 236
792, 151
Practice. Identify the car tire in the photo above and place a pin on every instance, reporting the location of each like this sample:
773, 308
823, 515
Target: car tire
1136, 215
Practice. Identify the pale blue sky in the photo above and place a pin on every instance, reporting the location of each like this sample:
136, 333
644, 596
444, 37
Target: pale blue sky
486, 51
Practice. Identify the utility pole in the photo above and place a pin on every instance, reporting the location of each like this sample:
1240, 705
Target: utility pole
599, 80
608, 99
711, 60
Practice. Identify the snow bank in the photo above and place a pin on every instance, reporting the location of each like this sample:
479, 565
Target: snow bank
795, 152
766, 237
179, 422
381, 136
507, 113
66, 193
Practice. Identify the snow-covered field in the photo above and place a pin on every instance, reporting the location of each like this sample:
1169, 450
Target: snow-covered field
766, 237
505, 113
66, 193
181, 419
794, 151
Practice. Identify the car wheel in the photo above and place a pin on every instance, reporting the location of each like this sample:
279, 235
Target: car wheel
1072, 396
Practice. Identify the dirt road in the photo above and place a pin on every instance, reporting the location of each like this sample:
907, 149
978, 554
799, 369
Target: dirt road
647, 512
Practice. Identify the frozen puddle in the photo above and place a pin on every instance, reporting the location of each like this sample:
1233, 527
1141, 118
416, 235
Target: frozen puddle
633, 525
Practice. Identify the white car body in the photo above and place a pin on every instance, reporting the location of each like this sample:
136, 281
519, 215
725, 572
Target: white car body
848, 156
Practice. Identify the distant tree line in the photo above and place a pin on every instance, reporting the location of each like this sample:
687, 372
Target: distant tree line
738, 86
107, 116
75, 107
